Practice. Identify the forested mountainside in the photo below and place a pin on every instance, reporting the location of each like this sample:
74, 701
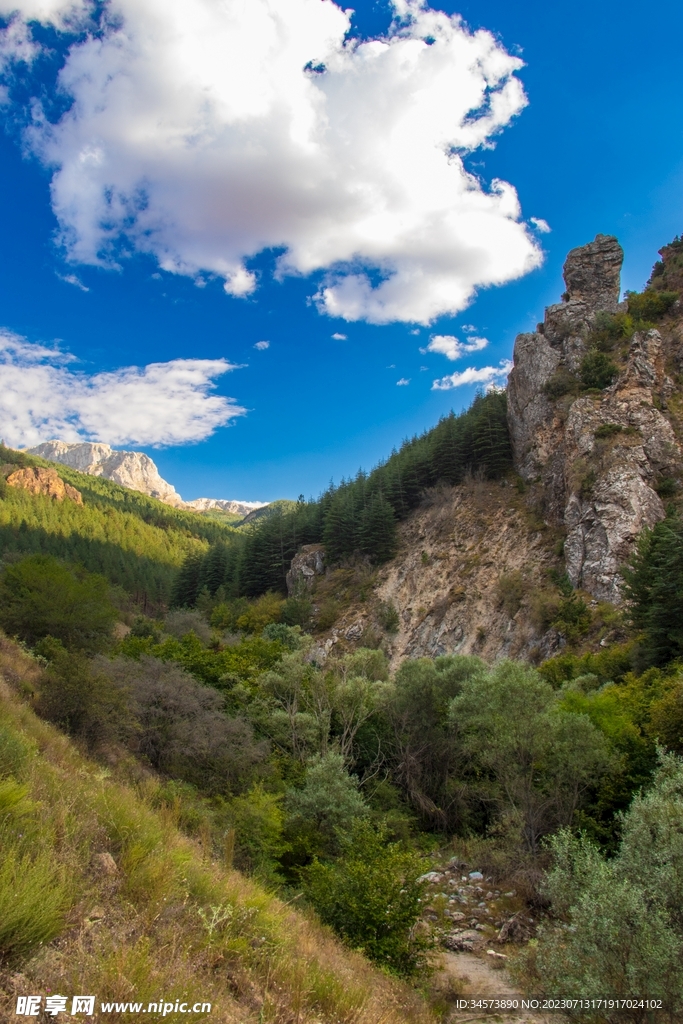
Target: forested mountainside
409, 709
136, 541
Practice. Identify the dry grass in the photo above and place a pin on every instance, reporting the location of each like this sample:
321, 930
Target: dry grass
166, 922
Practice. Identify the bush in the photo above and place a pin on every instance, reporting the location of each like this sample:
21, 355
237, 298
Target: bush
597, 370
288, 636
183, 621
258, 615
512, 588
258, 820
562, 382
621, 930
79, 700
371, 898
387, 616
40, 596
329, 800
180, 726
296, 611
650, 305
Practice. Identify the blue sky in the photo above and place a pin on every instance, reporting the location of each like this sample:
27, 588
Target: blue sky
597, 148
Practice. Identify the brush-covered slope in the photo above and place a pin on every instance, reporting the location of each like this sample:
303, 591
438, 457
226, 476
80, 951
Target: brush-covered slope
136, 541
100, 893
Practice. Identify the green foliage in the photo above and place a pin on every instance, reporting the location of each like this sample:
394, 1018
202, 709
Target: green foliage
607, 430
610, 664
328, 802
650, 305
512, 589
541, 758
624, 917
34, 900
296, 611
135, 541
387, 616
597, 370
288, 636
359, 517
81, 701
562, 382
654, 586
40, 596
258, 820
371, 898
246, 659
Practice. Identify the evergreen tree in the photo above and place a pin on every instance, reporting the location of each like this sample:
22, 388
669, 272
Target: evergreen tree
654, 585
187, 583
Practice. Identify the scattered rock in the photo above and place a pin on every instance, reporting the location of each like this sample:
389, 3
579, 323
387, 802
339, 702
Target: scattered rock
106, 864
516, 929
431, 876
354, 632
476, 876
461, 941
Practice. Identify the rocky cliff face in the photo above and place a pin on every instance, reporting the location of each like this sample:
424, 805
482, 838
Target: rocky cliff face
129, 469
599, 453
43, 481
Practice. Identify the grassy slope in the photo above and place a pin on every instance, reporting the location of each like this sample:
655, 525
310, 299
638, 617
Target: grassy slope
144, 932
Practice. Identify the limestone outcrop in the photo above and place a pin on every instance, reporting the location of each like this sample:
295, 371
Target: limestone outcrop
129, 469
44, 481
306, 565
598, 453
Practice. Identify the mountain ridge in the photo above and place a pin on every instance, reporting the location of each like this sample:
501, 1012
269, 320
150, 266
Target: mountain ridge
134, 470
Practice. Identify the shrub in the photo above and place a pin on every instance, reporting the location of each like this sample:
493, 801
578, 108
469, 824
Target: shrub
512, 588
288, 636
562, 382
40, 596
329, 799
387, 616
371, 898
180, 726
622, 922
607, 430
597, 370
328, 614
183, 621
650, 305
81, 701
258, 615
258, 820
296, 611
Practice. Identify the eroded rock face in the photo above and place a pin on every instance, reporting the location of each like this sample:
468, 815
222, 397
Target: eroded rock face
598, 456
44, 481
129, 469
306, 565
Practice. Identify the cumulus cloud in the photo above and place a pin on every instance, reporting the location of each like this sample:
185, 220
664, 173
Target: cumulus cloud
541, 225
161, 404
403, 382
493, 376
204, 133
339, 337
447, 345
261, 346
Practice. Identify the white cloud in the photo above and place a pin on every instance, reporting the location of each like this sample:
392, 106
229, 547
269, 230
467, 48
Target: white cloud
447, 345
159, 404
197, 134
339, 337
403, 382
490, 375
540, 225
262, 345
468, 328
74, 280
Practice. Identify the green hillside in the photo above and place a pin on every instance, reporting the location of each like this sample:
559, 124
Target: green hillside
135, 541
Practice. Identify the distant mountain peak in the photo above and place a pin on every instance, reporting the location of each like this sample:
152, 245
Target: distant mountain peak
133, 470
